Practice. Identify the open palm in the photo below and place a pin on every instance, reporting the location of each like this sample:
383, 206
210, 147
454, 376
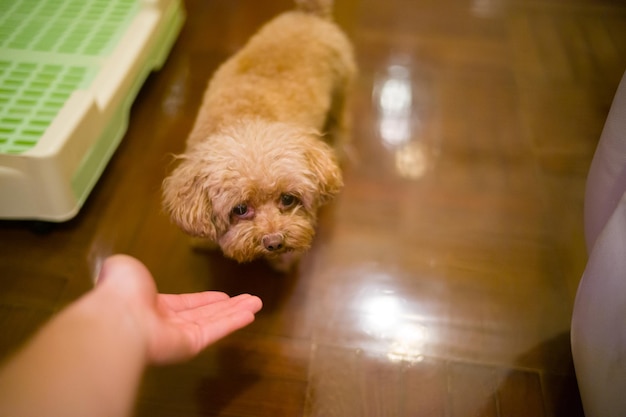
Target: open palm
177, 326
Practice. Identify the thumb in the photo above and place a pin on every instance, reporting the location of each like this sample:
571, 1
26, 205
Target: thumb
127, 275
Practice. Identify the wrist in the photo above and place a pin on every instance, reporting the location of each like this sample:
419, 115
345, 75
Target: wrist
94, 351
119, 320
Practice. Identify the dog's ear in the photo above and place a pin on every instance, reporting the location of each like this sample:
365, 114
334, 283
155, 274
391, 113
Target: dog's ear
186, 199
324, 165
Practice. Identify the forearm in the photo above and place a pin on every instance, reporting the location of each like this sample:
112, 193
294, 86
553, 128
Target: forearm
87, 361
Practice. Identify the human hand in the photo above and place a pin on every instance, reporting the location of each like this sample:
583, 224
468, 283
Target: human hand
176, 327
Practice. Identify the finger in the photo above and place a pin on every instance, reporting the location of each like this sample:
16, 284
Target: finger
180, 302
202, 329
243, 302
126, 275
213, 329
251, 303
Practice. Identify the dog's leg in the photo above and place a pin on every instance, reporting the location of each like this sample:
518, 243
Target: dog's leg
338, 124
339, 127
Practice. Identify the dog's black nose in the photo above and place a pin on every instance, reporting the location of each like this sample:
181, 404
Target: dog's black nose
273, 242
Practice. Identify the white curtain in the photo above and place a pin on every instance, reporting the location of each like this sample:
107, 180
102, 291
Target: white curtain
599, 320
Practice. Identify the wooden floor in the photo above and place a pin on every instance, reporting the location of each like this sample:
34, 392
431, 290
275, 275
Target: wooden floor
441, 281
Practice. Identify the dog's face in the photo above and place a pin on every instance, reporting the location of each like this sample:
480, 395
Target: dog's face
254, 189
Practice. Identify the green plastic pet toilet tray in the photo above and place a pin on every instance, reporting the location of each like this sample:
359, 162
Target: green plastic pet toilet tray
69, 72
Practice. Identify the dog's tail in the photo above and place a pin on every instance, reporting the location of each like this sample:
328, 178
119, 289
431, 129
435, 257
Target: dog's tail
322, 8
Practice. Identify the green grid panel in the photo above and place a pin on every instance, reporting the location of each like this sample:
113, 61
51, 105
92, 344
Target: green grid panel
31, 95
48, 49
79, 27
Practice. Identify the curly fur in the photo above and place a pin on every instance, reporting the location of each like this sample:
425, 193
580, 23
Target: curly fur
256, 139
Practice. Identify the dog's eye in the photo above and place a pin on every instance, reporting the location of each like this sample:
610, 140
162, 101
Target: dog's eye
288, 200
240, 210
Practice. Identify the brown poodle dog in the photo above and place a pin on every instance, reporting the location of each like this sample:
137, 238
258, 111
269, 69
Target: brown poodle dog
256, 168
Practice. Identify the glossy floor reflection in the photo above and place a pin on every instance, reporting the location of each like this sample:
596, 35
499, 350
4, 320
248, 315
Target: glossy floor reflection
442, 279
